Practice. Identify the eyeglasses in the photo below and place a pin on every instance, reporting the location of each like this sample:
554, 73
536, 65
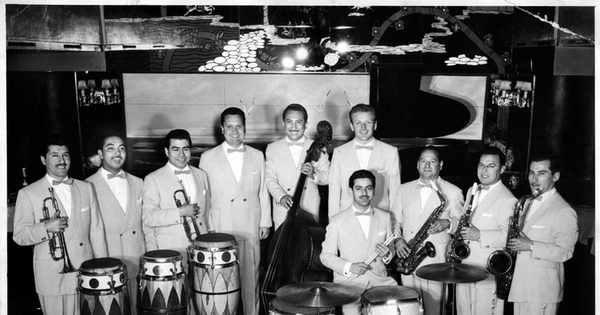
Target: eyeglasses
489, 167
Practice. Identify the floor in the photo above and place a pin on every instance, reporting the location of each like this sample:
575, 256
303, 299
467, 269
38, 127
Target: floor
579, 296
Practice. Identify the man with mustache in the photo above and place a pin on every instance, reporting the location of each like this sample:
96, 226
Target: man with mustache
364, 152
546, 241
418, 201
285, 163
80, 222
240, 200
159, 210
353, 235
119, 196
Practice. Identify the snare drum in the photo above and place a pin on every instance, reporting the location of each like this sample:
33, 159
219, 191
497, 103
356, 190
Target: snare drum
281, 307
216, 284
391, 300
163, 286
102, 287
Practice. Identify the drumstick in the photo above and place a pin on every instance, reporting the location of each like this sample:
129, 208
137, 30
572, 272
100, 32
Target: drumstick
386, 243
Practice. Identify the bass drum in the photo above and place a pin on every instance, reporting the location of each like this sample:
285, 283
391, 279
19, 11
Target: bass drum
102, 287
391, 300
163, 284
216, 274
280, 307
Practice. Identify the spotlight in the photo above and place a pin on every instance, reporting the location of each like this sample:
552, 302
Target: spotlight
301, 53
342, 47
287, 63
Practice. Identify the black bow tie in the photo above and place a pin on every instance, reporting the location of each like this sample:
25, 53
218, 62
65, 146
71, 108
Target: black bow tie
64, 181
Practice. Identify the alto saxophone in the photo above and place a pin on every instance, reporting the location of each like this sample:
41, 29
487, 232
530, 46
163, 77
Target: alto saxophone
501, 263
419, 249
458, 249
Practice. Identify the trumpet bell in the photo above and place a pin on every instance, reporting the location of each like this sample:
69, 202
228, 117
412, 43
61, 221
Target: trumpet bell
499, 262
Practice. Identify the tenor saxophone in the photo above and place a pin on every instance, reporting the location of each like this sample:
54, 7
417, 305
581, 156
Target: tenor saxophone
458, 249
417, 245
501, 263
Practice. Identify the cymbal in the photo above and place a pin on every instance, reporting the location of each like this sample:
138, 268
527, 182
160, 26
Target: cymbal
452, 273
317, 294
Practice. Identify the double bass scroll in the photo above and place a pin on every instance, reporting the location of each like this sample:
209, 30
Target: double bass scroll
296, 245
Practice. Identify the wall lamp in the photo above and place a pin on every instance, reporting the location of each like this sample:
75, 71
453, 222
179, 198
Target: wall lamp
89, 93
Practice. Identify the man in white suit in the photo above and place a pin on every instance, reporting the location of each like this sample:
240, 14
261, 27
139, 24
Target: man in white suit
492, 205
285, 162
418, 202
159, 209
240, 203
80, 222
364, 152
547, 240
353, 235
119, 196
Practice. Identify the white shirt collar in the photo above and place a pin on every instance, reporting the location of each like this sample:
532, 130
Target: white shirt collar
371, 143
288, 140
50, 178
105, 173
174, 168
227, 146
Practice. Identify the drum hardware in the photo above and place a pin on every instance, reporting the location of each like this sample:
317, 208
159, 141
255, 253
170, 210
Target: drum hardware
451, 274
391, 300
57, 241
186, 223
317, 294
163, 283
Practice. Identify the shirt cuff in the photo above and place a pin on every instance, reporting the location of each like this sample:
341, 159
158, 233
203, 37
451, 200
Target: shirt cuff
347, 269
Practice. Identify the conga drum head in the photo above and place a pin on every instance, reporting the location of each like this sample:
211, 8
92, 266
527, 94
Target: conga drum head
165, 264
280, 307
103, 275
212, 240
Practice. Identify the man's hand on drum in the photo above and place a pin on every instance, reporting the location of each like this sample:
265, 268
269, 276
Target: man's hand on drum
359, 268
384, 251
402, 248
189, 210
264, 232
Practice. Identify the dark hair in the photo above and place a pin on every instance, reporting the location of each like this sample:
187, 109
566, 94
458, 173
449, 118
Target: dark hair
233, 111
177, 134
295, 108
362, 108
105, 135
53, 139
489, 150
361, 174
553, 159
432, 149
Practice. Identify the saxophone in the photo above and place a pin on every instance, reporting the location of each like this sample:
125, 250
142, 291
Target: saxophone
419, 249
501, 263
458, 249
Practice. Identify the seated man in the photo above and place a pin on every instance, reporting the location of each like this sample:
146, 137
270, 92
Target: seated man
355, 247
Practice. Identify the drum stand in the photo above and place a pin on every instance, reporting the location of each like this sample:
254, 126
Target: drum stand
450, 274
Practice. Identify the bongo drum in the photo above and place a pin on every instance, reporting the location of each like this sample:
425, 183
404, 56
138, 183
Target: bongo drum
280, 307
102, 287
163, 286
216, 283
391, 300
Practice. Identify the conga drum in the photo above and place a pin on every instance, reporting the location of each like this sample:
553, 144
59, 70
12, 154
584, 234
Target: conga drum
163, 284
278, 306
102, 287
391, 300
216, 283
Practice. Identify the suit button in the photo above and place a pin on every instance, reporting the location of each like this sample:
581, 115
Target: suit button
133, 232
304, 188
244, 199
288, 189
231, 200
121, 235
80, 244
43, 238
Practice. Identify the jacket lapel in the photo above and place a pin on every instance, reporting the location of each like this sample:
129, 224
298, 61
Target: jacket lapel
75, 211
246, 169
539, 212
130, 204
375, 155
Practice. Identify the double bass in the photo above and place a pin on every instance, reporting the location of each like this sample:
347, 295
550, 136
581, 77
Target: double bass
296, 245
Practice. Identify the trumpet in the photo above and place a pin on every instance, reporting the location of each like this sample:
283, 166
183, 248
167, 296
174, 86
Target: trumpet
186, 223
57, 242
